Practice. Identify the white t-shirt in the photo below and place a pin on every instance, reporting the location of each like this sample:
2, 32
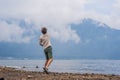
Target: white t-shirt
45, 40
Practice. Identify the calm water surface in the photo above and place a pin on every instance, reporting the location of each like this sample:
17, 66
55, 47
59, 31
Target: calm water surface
72, 66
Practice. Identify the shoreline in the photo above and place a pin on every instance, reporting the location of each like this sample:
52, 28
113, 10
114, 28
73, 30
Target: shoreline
9, 73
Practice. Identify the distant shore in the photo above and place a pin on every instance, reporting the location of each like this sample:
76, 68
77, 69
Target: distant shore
9, 73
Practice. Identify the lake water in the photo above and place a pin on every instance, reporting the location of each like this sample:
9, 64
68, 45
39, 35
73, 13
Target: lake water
72, 66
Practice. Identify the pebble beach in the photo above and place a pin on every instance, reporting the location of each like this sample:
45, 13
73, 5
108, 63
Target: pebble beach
9, 73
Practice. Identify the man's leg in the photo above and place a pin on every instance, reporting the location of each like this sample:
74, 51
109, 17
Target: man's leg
49, 57
45, 66
49, 62
46, 62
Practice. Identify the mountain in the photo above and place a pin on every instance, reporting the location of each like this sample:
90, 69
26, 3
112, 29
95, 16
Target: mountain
97, 42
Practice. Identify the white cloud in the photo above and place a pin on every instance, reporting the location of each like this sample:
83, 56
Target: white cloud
58, 14
65, 34
12, 33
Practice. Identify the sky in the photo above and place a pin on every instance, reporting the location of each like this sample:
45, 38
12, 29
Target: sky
57, 15
21, 20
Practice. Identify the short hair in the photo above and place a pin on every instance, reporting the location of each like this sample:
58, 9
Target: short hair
44, 30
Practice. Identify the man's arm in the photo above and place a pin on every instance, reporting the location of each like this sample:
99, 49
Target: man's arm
40, 42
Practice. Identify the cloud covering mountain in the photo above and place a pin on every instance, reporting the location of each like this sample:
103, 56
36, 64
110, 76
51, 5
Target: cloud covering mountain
97, 42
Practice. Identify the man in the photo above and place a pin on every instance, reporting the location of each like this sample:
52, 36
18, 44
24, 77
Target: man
45, 42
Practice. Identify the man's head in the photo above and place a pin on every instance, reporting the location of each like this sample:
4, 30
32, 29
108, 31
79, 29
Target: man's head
44, 30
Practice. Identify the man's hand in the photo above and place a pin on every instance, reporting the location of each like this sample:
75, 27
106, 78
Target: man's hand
41, 44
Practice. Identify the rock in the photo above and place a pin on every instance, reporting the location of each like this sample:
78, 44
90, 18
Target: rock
23, 67
30, 76
37, 67
1, 78
24, 79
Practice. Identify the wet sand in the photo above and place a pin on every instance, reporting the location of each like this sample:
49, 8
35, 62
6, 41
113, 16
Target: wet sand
9, 73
